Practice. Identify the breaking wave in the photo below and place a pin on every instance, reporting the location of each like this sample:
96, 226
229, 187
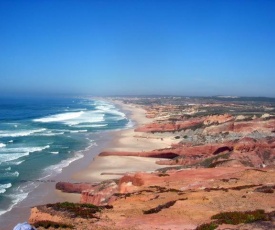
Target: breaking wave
20, 133
12, 154
55, 152
60, 117
3, 187
73, 118
64, 133
16, 198
9, 174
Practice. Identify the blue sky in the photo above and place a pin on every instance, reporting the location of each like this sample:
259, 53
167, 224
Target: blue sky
113, 47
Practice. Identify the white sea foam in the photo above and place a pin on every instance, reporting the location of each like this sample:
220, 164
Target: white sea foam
10, 141
116, 112
16, 198
11, 123
9, 174
130, 124
16, 162
25, 149
3, 187
55, 152
14, 174
90, 126
75, 110
84, 116
11, 157
2, 145
60, 117
105, 107
19, 194
64, 163
20, 133
10, 154
73, 118
79, 131
110, 109
10, 162
50, 133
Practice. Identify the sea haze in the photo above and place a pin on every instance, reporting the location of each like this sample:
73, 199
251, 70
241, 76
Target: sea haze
39, 137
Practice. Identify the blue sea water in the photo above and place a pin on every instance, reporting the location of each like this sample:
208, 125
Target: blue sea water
40, 136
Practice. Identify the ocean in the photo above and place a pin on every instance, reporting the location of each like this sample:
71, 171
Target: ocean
41, 136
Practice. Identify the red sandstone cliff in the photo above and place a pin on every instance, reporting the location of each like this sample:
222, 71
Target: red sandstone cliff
175, 200
211, 125
247, 151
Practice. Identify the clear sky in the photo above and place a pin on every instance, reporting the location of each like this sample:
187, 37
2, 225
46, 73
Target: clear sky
108, 47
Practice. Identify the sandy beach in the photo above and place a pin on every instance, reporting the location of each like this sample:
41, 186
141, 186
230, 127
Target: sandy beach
111, 167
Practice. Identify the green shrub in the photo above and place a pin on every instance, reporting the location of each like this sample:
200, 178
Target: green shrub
240, 217
160, 207
265, 189
76, 209
208, 162
236, 218
50, 224
210, 226
163, 174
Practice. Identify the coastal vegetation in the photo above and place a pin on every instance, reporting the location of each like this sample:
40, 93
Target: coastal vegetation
236, 217
46, 224
76, 209
160, 207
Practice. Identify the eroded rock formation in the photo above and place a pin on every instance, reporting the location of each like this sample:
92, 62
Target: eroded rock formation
176, 199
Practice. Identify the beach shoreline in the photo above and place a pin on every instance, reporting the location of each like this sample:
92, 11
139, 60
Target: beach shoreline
127, 140
103, 168
91, 168
46, 192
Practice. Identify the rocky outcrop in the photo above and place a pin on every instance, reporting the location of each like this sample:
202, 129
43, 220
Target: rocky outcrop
255, 153
220, 128
244, 127
218, 119
97, 194
100, 194
73, 187
178, 150
159, 153
43, 215
212, 124
260, 125
192, 123
177, 199
105, 193
246, 151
